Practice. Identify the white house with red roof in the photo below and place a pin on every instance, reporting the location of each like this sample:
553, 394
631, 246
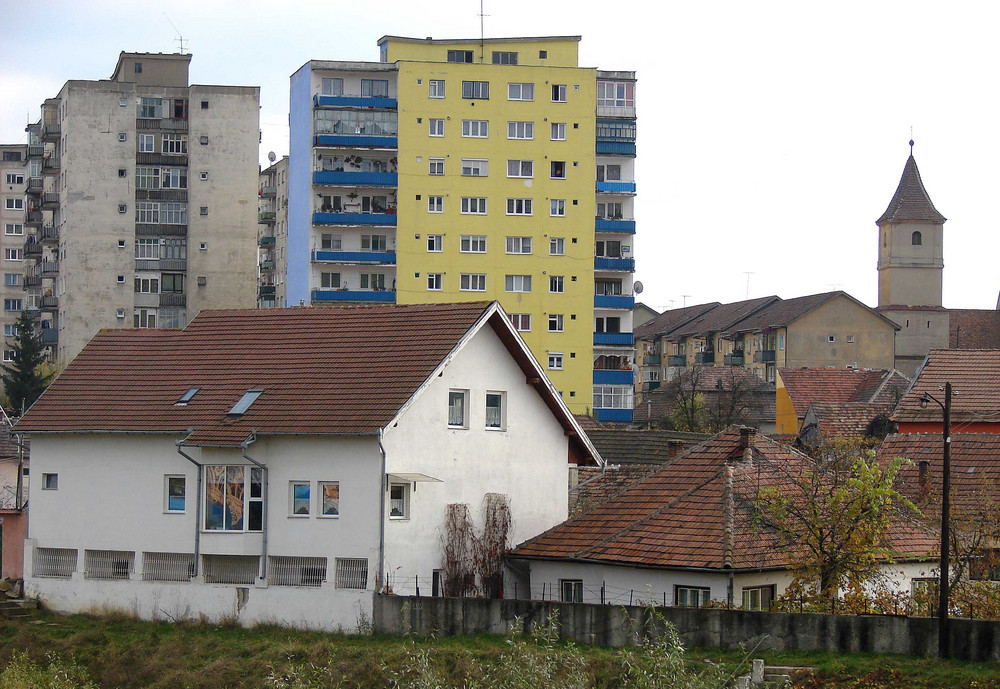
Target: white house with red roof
285, 465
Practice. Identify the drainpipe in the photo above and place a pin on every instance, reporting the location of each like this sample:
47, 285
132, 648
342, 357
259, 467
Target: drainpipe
263, 497
381, 505
197, 501
727, 531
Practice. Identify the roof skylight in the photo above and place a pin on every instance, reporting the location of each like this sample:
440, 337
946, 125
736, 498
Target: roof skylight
186, 397
249, 397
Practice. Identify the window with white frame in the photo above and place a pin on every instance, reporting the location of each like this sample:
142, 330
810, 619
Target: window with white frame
13, 254
173, 213
474, 205
435, 242
329, 496
478, 90
233, 498
475, 167
691, 596
477, 129
435, 166
147, 143
435, 204
557, 208
495, 410
147, 212
147, 177
13, 304
520, 91
175, 144
435, 281
558, 131
520, 321
472, 244
504, 57
174, 178
13, 228
8, 355
472, 282
520, 168
14, 204
458, 408
556, 361
571, 590
557, 169
374, 242
519, 206
329, 280
517, 283
613, 397
9, 330
558, 93
15, 178
174, 493
12, 279
435, 126
557, 284
147, 285
557, 246
399, 501
520, 130
331, 242
373, 281
299, 499
435, 88
375, 88
518, 245
555, 322
652, 375
615, 94
758, 597
333, 86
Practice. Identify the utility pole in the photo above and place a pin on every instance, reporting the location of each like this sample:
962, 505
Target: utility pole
944, 630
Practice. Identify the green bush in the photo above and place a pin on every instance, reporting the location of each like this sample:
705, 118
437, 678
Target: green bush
22, 673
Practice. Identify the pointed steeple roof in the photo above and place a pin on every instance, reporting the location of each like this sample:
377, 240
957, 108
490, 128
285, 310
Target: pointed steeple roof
911, 202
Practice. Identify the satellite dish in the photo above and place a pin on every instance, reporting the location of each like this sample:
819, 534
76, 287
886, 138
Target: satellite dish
637, 287
271, 156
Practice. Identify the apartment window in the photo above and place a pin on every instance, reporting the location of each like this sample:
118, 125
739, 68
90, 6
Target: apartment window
147, 143
608, 287
758, 597
478, 129
518, 91
233, 498
850, 339
520, 168
50, 481
472, 282
174, 178
504, 57
557, 284
9, 330
691, 596
143, 318
333, 86
609, 173
435, 166
173, 213
436, 88
610, 211
831, 338
13, 304
13, 229
12, 279
555, 322
520, 130
435, 204
518, 245
521, 321
615, 94
15, 178
299, 500
174, 493
781, 341
475, 167
474, 205
609, 324
435, 242
13, 254
608, 248
330, 242
435, 126
518, 283
558, 93
495, 412
8, 355
518, 206
556, 361
558, 131
458, 401
571, 590
459, 56
329, 280
558, 169
147, 285
557, 208
204, 105
374, 242
373, 281
435, 282
472, 244
476, 90
147, 248
175, 144
399, 501
329, 495
374, 88
147, 177
15, 204
172, 283
613, 397
149, 108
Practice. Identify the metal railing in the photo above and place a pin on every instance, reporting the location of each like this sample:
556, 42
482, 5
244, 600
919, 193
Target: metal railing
352, 573
167, 566
296, 571
231, 569
54, 562
108, 564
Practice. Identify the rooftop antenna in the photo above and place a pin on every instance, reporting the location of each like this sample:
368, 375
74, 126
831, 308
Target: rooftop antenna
685, 298
180, 39
748, 274
482, 32
911, 140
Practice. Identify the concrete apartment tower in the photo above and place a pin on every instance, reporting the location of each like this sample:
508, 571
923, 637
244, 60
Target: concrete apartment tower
469, 170
148, 212
14, 207
910, 269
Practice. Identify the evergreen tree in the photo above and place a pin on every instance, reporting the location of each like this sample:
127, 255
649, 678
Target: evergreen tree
23, 379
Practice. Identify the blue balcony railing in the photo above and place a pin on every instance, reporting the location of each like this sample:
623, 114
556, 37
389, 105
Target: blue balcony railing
382, 219
360, 140
624, 339
355, 256
614, 415
606, 301
613, 377
352, 295
353, 102
355, 179
616, 187
601, 263
602, 225
623, 148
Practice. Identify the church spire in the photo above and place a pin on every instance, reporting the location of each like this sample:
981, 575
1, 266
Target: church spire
911, 203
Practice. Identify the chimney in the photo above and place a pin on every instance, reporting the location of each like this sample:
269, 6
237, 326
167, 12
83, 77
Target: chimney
745, 433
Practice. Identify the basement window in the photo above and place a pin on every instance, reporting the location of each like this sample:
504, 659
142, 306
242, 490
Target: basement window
249, 397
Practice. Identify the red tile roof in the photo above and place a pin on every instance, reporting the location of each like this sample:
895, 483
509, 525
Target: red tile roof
627, 446
597, 485
973, 329
722, 317
975, 378
843, 419
808, 385
783, 312
672, 319
911, 201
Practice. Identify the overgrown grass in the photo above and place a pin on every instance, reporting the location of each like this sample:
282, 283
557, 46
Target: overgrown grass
118, 652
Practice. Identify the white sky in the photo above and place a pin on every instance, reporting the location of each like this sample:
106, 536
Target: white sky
771, 134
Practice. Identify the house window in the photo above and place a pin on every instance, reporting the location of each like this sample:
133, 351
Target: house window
435, 242
555, 322
459, 56
557, 208
175, 489
435, 204
399, 501
518, 283
50, 481
435, 281
374, 88
473, 205
520, 130
556, 361
557, 246
504, 57
472, 244
476, 90
333, 87
571, 590
477, 129
691, 596
435, 166
520, 168
15, 204
475, 167
758, 597
495, 412
520, 91
520, 321
299, 499
916, 239
233, 498
436, 88
329, 280
558, 93
519, 207
557, 284
458, 401
472, 282
436, 126
558, 131
175, 144
558, 169
329, 495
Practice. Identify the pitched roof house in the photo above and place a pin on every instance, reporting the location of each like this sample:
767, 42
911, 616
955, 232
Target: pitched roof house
286, 464
876, 391
974, 375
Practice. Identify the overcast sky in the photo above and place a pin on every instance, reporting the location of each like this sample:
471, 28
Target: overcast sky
771, 134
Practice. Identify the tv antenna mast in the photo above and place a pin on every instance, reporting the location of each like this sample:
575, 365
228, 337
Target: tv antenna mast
180, 39
482, 32
748, 274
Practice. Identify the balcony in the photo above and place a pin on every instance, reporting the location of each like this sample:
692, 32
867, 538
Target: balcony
50, 201
51, 131
173, 299
355, 179
357, 140
604, 263
379, 219
32, 248
677, 360
352, 101
734, 359
48, 303
50, 165
607, 301
614, 415
605, 225
49, 269
620, 339
160, 230
50, 336
266, 217
650, 385
265, 291
388, 257
33, 217
651, 360
765, 356
49, 235
268, 192
704, 358
30, 280
623, 148
36, 150
265, 241
267, 265
319, 295
603, 377
617, 187
36, 185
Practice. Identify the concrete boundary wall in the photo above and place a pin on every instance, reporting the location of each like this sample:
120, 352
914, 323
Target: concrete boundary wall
607, 625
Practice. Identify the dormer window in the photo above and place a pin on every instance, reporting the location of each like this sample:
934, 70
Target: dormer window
248, 398
186, 397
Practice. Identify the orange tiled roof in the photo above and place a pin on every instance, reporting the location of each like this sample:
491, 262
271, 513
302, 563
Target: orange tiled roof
846, 419
808, 385
597, 485
973, 329
975, 378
